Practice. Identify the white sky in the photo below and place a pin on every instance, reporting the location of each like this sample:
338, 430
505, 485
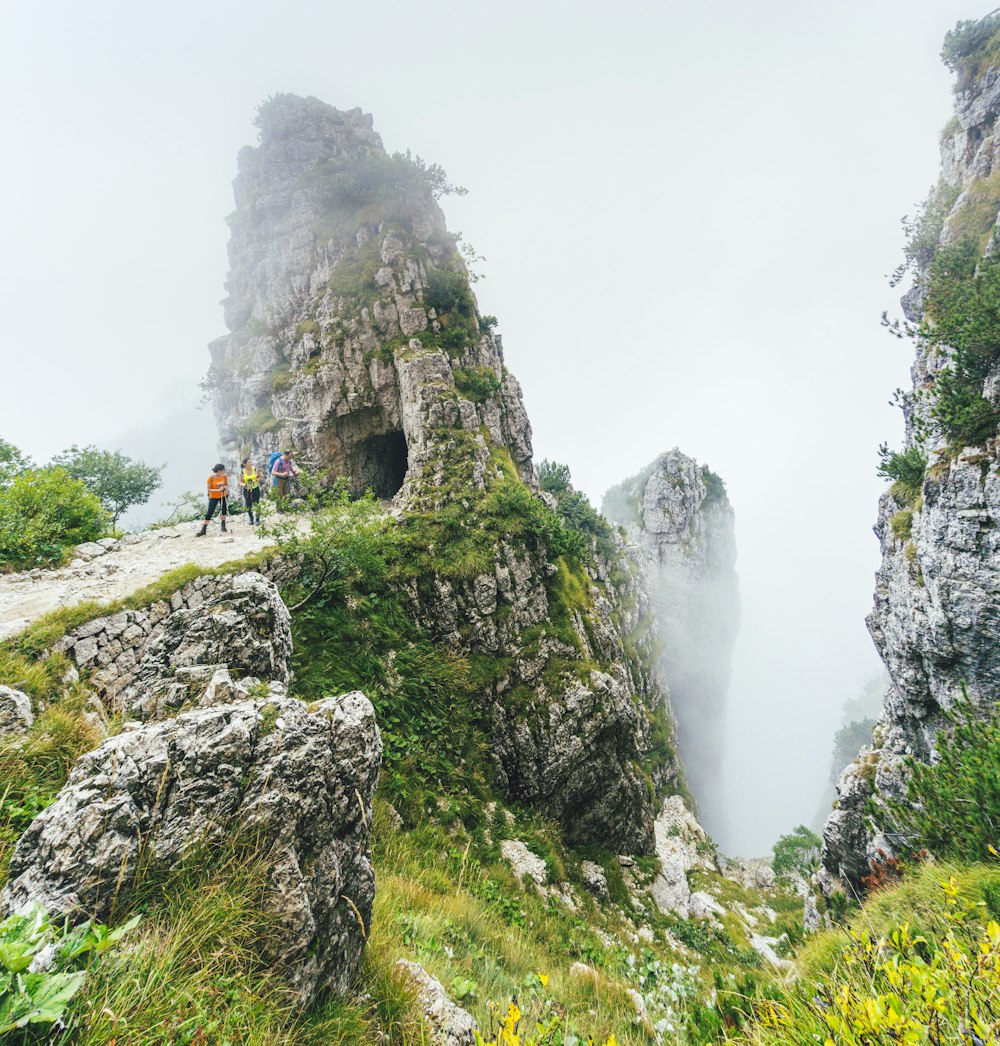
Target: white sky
687, 210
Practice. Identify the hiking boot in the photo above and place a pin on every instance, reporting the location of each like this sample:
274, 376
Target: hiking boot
223, 526
204, 530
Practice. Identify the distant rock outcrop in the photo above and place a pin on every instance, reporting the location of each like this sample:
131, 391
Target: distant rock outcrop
681, 527
297, 781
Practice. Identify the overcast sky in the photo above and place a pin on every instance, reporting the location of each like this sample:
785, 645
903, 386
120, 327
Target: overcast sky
687, 212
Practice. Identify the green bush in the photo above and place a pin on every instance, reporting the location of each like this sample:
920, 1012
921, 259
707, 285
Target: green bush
476, 383
574, 508
12, 462
971, 48
42, 513
448, 291
797, 852
119, 481
952, 807
962, 324
907, 468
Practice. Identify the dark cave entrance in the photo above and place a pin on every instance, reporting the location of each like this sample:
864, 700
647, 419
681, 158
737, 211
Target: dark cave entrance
379, 463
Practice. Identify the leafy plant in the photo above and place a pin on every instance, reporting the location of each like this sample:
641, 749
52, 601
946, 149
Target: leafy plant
42, 513
798, 852
906, 468
35, 990
118, 481
952, 805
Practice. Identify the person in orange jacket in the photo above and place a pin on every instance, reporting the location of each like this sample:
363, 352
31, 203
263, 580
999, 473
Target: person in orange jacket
218, 498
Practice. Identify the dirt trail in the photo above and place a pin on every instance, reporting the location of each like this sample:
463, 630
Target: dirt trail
106, 573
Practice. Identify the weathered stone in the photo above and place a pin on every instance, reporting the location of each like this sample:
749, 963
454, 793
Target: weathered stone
680, 841
244, 626
450, 1024
594, 879
16, 716
702, 905
298, 782
524, 863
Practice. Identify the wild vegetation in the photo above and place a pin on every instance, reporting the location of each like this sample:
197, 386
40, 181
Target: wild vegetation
79, 496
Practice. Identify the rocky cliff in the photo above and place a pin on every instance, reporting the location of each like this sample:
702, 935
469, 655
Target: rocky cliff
353, 334
936, 617
680, 526
356, 341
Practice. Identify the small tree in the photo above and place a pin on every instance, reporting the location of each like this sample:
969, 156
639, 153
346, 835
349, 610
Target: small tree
118, 481
799, 851
12, 462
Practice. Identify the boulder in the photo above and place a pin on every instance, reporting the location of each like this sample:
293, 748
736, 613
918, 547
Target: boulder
594, 879
244, 626
525, 864
15, 711
679, 840
450, 1024
297, 780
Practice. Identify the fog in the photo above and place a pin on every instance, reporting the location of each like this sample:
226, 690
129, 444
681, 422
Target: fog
687, 212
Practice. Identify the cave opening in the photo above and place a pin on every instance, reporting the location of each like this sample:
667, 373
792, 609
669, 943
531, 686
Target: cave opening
379, 463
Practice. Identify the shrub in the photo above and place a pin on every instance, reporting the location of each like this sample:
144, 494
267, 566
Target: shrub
907, 468
448, 291
574, 508
119, 481
476, 383
42, 513
901, 524
971, 47
12, 462
952, 807
797, 852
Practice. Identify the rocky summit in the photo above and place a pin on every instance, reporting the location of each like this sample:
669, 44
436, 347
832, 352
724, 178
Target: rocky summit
356, 341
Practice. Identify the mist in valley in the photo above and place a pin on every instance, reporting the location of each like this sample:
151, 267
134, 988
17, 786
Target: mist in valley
686, 216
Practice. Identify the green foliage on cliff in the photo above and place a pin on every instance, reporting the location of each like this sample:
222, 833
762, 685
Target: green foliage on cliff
952, 807
574, 508
961, 327
906, 468
971, 48
797, 852
476, 383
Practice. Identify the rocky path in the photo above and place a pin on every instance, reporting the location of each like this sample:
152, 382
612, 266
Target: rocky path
108, 569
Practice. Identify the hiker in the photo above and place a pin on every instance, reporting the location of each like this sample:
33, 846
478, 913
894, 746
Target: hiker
218, 497
282, 471
270, 469
251, 488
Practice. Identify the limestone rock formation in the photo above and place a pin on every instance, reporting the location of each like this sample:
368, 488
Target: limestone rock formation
148, 663
681, 846
355, 340
297, 781
936, 616
680, 525
16, 716
450, 1024
352, 331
